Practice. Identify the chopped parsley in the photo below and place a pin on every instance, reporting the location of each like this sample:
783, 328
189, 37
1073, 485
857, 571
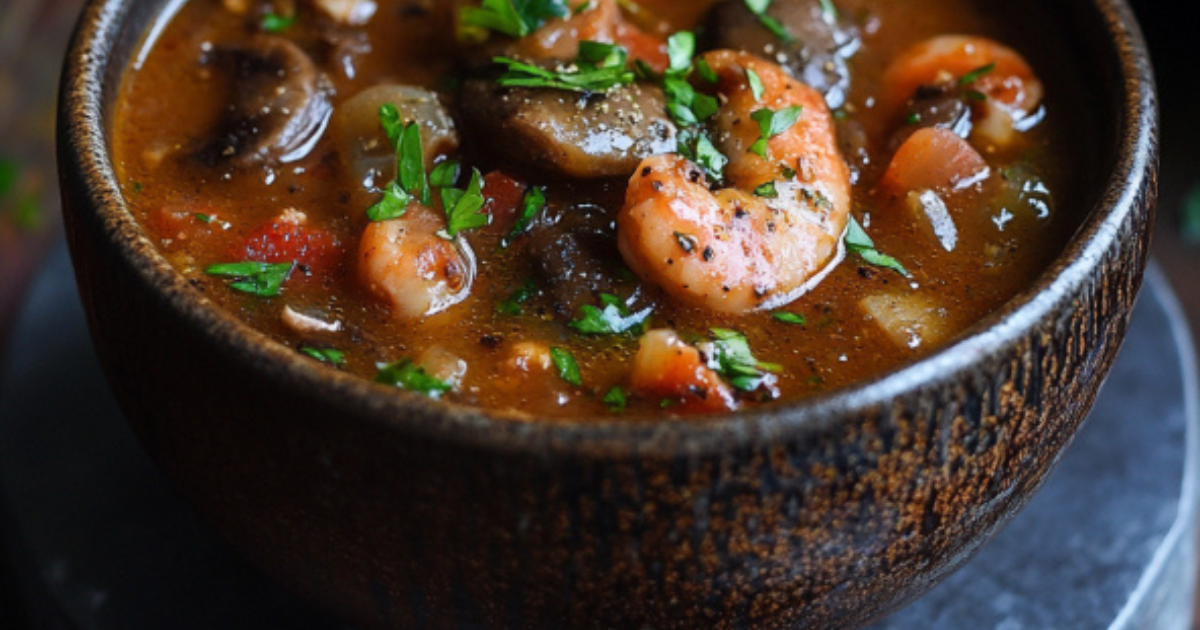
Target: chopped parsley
976, 74
599, 68
407, 375
861, 245
568, 368
201, 217
772, 123
616, 399
410, 181
734, 361
533, 203
275, 23
256, 278
513, 305
515, 18
614, 318
788, 317
829, 12
696, 146
759, 9
756, 84
464, 207
445, 175
332, 356
767, 191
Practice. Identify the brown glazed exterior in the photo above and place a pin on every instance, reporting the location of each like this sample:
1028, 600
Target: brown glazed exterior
397, 512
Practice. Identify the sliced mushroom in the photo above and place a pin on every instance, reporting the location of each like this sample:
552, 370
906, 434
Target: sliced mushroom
818, 49
364, 147
576, 252
566, 134
278, 103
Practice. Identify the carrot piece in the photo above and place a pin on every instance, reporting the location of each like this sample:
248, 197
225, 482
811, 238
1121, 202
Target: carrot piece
932, 159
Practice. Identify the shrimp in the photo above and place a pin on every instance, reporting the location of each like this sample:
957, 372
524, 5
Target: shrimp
406, 264
732, 250
666, 368
1007, 92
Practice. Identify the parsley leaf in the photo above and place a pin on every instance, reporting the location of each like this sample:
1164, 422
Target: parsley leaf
332, 356
201, 217
513, 305
445, 175
759, 9
515, 18
976, 74
407, 375
533, 203
616, 399
790, 318
463, 207
861, 245
698, 147
393, 205
767, 191
275, 23
829, 12
599, 68
733, 360
681, 48
756, 84
772, 123
568, 368
614, 319
256, 278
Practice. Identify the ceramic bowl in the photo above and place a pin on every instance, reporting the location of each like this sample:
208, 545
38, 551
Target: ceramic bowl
398, 512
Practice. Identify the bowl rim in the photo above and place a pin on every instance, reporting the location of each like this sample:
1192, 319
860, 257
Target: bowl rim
84, 162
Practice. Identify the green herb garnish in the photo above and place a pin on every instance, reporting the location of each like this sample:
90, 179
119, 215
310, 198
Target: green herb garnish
568, 368
411, 182
393, 205
790, 318
759, 9
772, 123
515, 18
734, 361
445, 175
10, 170
756, 84
464, 207
275, 23
614, 318
767, 191
409, 376
599, 68
256, 278
332, 356
616, 399
698, 147
976, 74
513, 305
828, 11
533, 203
201, 217
861, 245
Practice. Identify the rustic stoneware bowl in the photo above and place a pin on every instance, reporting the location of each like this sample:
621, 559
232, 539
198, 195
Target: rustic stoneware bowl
398, 512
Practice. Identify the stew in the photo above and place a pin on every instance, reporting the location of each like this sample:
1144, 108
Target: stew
604, 208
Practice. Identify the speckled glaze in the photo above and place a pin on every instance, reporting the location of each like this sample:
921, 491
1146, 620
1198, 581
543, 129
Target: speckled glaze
397, 512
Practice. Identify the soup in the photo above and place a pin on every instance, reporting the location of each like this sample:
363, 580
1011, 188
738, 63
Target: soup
604, 209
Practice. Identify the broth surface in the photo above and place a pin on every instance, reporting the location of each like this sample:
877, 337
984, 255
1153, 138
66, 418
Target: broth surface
205, 211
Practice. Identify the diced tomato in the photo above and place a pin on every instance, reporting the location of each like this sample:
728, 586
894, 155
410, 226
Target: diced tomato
283, 240
503, 196
649, 48
674, 372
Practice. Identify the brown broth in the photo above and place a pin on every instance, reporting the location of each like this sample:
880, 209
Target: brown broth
166, 107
